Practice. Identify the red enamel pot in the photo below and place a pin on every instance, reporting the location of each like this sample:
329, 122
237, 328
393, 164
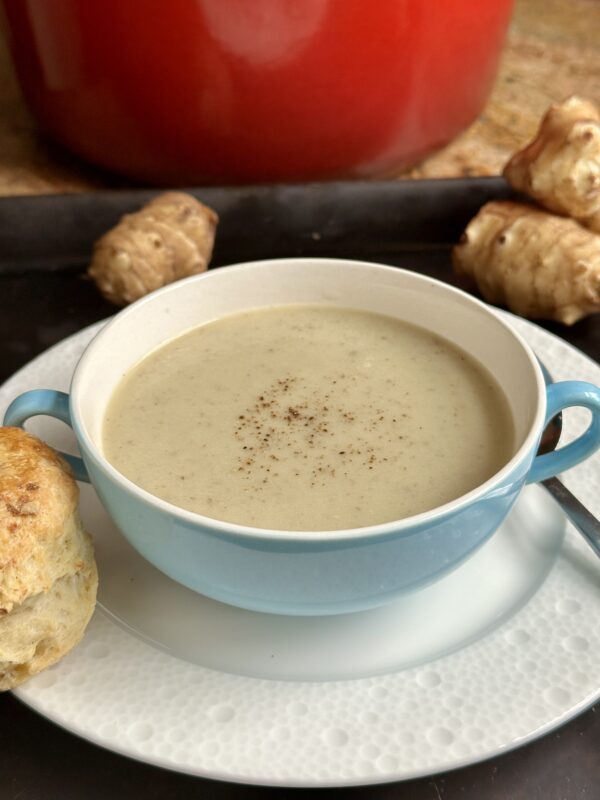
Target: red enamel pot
192, 91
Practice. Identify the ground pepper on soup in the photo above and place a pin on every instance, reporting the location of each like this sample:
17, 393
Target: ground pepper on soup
308, 418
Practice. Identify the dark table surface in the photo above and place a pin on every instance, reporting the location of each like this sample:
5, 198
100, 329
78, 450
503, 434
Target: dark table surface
44, 246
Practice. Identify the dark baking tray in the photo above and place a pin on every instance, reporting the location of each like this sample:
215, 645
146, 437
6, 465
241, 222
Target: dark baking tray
45, 245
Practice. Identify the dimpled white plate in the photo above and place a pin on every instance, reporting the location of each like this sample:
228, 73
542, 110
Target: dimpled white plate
502, 650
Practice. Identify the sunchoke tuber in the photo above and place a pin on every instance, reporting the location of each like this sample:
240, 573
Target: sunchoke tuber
560, 168
538, 264
169, 238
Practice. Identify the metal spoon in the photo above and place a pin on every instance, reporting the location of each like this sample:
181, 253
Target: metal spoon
585, 522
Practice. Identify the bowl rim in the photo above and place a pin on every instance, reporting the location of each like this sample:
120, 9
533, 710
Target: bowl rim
401, 527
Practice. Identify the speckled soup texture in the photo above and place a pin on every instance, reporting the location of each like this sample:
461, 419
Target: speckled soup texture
308, 418
536, 670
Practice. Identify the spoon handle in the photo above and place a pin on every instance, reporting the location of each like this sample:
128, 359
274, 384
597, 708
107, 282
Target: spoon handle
585, 522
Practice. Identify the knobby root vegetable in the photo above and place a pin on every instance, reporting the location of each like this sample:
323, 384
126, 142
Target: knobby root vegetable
537, 264
560, 168
169, 238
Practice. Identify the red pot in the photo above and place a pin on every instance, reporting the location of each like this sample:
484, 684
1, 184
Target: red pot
190, 91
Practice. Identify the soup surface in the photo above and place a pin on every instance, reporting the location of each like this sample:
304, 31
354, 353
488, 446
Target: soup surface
308, 418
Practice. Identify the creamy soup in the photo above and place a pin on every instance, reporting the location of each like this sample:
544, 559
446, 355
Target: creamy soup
308, 418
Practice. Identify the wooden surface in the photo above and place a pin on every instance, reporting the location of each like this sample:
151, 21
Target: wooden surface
553, 50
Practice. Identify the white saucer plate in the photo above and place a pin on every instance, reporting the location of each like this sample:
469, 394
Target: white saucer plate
501, 651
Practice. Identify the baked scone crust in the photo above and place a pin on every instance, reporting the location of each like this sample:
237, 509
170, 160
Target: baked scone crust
48, 576
38, 497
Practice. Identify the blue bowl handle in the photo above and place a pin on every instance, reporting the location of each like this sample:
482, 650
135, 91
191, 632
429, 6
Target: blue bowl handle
560, 396
51, 403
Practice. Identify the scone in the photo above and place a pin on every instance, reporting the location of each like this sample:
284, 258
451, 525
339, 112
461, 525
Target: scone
48, 576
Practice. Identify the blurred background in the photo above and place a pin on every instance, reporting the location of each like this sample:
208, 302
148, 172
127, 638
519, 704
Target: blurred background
149, 93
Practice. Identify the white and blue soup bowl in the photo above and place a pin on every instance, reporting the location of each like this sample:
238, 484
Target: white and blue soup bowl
312, 572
